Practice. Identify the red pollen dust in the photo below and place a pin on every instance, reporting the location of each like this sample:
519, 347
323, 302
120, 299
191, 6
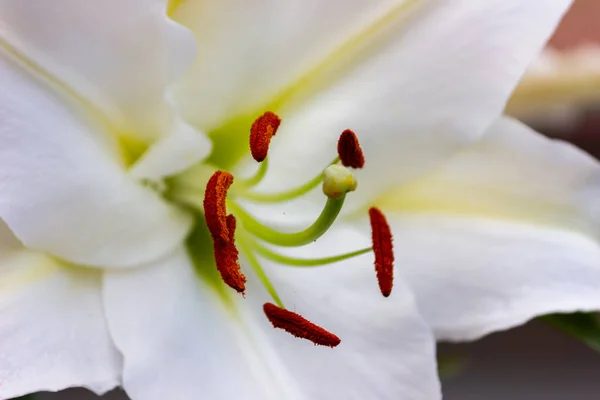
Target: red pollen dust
222, 230
261, 132
349, 150
299, 326
383, 249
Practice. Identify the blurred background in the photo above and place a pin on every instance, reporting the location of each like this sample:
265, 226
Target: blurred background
560, 97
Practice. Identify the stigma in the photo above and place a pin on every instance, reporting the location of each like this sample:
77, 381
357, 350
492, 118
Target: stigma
337, 182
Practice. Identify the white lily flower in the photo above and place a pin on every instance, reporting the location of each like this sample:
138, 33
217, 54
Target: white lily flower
110, 277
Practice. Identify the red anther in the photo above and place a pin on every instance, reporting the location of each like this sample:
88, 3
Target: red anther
215, 209
231, 225
383, 249
226, 257
261, 132
299, 326
349, 150
222, 230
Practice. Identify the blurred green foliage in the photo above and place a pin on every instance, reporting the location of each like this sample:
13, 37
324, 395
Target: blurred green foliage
582, 326
450, 365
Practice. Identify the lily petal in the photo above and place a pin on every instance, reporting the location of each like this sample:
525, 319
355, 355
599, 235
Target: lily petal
117, 55
63, 193
178, 150
386, 350
512, 173
475, 276
52, 326
506, 231
415, 80
184, 340
227, 348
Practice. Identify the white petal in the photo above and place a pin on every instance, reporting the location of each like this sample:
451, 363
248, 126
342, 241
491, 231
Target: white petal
185, 340
386, 350
118, 55
180, 341
61, 190
475, 276
173, 153
414, 82
512, 173
53, 333
506, 231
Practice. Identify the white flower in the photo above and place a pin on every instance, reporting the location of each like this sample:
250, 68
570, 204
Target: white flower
112, 278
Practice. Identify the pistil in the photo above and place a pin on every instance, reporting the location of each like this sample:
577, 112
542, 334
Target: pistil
315, 231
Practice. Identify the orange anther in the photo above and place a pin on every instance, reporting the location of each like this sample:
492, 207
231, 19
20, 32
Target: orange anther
383, 249
261, 132
299, 326
349, 150
222, 230
215, 210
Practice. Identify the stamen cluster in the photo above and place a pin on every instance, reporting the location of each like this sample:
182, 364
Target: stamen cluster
338, 181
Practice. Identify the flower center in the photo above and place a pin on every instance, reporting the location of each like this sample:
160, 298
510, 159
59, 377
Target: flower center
337, 181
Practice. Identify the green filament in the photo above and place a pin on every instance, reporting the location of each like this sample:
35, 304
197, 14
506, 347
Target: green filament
260, 273
256, 178
316, 230
306, 262
289, 194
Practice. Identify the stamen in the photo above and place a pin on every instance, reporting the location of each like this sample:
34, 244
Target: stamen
261, 132
349, 150
222, 230
383, 249
245, 184
299, 326
306, 262
288, 194
215, 209
246, 246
